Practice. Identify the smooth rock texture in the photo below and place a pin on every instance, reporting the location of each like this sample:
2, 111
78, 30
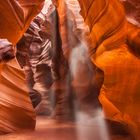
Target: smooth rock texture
16, 111
132, 8
110, 51
111, 42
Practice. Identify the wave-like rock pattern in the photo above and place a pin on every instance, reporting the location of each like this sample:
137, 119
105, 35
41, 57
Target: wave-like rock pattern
16, 111
132, 8
109, 32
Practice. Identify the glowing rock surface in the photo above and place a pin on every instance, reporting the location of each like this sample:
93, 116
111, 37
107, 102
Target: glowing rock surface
16, 111
119, 94
109, 50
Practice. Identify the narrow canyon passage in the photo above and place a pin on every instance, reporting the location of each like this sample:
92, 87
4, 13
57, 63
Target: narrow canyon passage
70, 70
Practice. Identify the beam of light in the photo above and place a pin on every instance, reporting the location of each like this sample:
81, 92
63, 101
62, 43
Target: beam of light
89, 127
89, 123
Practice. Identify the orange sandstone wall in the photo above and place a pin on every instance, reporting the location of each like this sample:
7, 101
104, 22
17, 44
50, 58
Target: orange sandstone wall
16, 111
110, 51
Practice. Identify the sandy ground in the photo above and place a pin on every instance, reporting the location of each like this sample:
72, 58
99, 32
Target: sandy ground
48, 129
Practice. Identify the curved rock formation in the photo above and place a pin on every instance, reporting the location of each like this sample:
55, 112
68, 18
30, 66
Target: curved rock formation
109, 50
16, 111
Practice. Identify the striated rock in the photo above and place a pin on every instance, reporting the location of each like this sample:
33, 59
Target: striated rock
132, 8
113, 45
109, 50
86, 87
16, 111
